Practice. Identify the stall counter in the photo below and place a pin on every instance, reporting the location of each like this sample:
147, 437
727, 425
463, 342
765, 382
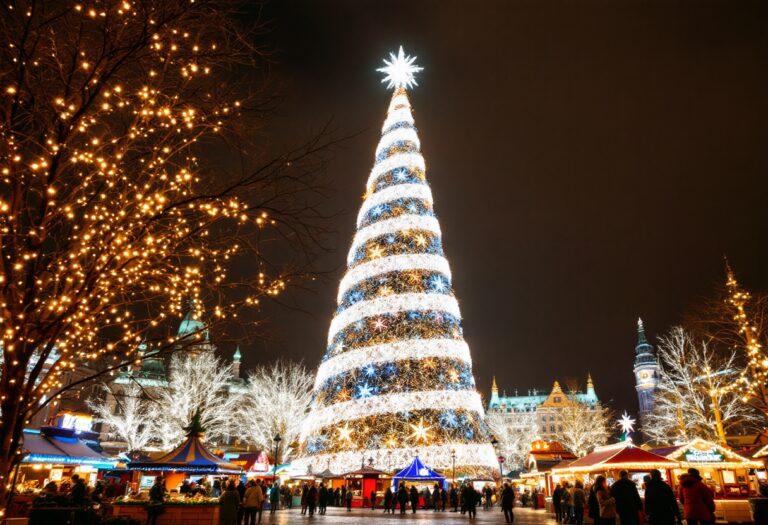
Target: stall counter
173, 513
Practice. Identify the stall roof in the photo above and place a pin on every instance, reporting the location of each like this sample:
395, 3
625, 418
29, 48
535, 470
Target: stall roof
620, 455
365, 471
702, 452
61, 450
418, 471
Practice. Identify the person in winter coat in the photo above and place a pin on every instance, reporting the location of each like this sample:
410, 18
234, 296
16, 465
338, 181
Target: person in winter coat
402, 497
469, 500
508, 502
414, 498
229, 501
349, 501
312, 500
566, 506
592, 505
274, 498
578, 501
698, 500
323, 496
557, 497
454, 496
606, 503
156, 499
660, 502
253, 500
628, 502
388, 496
436, 498
304, 490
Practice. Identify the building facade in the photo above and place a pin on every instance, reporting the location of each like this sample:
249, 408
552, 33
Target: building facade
646, 369
547, 406
151, 373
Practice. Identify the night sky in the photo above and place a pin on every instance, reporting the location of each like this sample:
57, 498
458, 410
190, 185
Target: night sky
591, 162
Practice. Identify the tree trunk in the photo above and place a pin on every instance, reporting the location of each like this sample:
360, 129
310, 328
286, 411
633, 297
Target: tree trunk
11, 427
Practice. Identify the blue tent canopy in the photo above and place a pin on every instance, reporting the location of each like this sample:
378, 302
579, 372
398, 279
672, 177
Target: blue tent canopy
418, 472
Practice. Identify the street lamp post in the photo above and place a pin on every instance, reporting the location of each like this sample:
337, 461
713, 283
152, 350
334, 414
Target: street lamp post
277, 440
453, 463
501, 467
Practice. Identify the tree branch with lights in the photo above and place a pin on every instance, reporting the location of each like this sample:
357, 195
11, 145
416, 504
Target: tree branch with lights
693, 398
584, 426
275, 404
113, 212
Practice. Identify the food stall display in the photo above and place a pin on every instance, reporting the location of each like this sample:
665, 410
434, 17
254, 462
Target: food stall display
362, 481
730, 476
610, 460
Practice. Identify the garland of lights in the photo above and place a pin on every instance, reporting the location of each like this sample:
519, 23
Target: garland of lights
396, 379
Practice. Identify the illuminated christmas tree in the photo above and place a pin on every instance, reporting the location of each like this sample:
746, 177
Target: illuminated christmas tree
396, 379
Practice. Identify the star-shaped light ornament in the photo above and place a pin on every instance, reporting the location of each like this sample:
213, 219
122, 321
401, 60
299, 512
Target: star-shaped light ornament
345, 433
626, 423
400, 70
420, 431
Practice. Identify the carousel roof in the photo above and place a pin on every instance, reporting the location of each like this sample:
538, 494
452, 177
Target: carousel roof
418, 471
191, 456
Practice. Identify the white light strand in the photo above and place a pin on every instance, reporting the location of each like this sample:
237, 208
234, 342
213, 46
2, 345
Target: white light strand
391, 403
398, 135
399, 116
393, 263
400, 191
398, 160
393, 304
392, 352
398, 101
394, 225
436, 456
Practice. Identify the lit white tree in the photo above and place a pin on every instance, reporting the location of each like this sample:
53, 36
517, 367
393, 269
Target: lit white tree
514, 434
128, 420
276, 403
195, 381
692, 397
584, 427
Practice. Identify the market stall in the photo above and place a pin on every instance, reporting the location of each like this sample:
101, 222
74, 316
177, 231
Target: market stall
730, 476
51, 455
362, 482
609, 460
543, 457
420, 475
189, 458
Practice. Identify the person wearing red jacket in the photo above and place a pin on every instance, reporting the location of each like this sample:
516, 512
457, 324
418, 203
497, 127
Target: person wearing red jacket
698, 500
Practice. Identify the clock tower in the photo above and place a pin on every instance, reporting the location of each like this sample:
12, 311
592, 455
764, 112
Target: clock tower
646, 371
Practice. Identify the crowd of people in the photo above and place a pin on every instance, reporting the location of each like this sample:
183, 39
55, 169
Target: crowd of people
242, 503
622, 500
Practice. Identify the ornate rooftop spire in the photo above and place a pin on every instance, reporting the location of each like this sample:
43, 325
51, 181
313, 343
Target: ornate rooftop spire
641, 339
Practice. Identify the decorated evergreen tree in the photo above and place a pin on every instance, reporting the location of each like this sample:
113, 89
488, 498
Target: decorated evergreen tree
396, 379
